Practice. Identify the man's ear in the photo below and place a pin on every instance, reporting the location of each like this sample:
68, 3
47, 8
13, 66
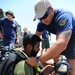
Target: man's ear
30, 47
51, 9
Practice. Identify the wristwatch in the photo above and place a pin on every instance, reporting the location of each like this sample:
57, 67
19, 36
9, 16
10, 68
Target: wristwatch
38, 61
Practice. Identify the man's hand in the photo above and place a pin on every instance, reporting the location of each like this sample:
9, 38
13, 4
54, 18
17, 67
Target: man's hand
31, 61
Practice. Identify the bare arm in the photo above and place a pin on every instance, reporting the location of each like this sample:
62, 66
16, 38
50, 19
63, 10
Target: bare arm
39, 33
58, 47
55, 50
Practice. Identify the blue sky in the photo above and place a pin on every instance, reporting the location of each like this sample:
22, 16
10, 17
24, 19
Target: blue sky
24, 10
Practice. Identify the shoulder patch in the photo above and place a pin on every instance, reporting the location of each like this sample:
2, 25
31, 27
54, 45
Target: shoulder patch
62, 22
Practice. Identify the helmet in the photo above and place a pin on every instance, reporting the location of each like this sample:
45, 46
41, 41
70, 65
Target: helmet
62, 67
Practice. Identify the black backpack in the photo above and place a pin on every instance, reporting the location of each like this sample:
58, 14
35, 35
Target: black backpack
8, 60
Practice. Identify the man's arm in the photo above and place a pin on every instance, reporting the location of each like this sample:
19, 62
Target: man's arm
52, 52
50, 37
58, 47
38, 33
1, 21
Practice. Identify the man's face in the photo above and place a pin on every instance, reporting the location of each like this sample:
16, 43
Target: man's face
48, 17
9, 16
35, 49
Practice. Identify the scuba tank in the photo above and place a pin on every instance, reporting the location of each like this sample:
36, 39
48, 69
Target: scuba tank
62, 67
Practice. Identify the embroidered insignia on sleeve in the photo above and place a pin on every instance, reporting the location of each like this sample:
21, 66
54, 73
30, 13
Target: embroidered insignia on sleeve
62, 22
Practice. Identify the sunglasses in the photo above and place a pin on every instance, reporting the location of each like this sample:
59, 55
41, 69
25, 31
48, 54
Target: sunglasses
45, 15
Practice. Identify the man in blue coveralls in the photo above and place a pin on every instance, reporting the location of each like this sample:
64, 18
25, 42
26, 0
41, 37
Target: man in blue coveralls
61, 23
9, 30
